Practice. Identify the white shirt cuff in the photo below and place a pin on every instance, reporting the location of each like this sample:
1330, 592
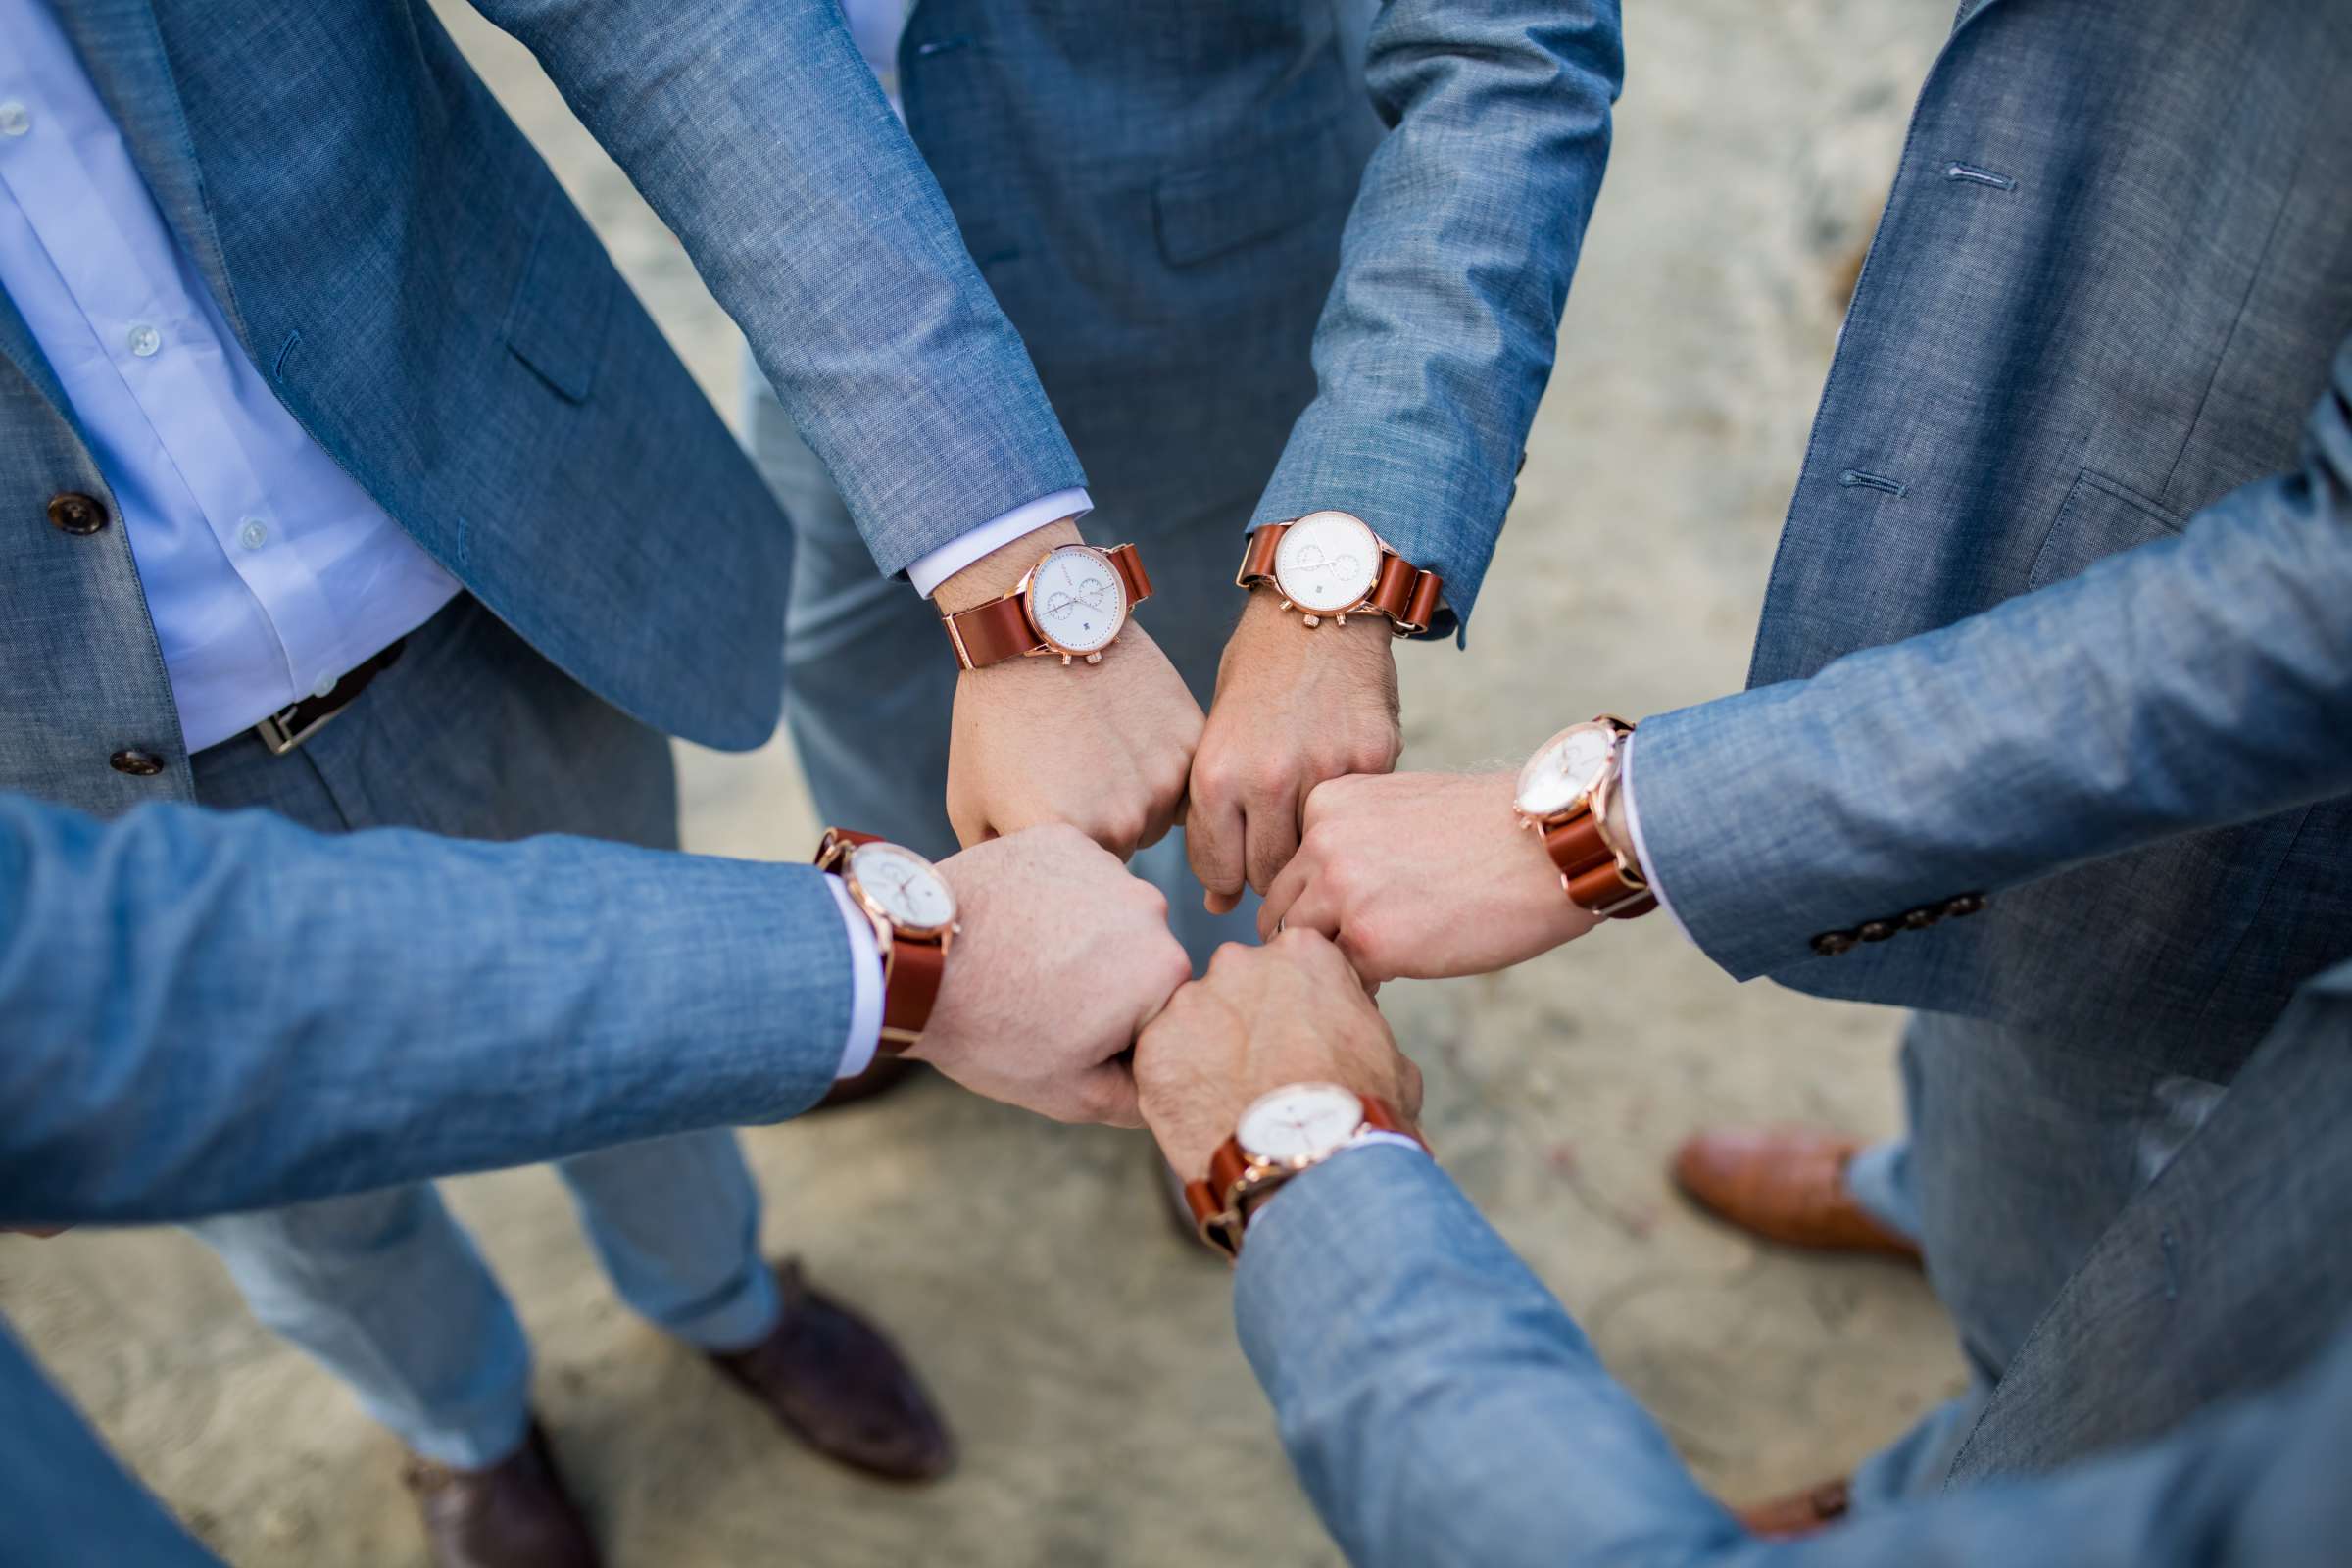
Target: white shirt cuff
865, 985
1632, 826
928, 571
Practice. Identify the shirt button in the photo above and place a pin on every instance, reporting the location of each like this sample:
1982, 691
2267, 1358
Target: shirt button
72, 511
255, 533
326, 684
14, 119
144, 340
135, 762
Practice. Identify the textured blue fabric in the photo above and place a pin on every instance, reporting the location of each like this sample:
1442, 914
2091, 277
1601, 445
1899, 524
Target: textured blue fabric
1441, 1409
210, 1013
2103, 317
474, 735
1160, 204
401, 975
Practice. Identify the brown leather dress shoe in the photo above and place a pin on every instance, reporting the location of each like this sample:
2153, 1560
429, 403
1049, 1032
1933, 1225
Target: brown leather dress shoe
513, 1514
840, 1386
1786, 1185
1800, 1513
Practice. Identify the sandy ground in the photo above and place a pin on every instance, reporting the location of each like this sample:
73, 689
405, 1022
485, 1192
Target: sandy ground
1086, 1361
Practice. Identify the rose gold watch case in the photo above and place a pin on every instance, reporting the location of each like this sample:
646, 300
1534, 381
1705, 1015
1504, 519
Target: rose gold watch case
1375, 546
1404, 596
1594, 800
946, 931
1026, 588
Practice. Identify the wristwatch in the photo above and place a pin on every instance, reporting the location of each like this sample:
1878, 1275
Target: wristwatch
913, 911
1292, 1129
1564, 795
1331, 564
1074, 601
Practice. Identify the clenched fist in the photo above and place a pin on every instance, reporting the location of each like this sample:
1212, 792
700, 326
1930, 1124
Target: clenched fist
1292, 1011
1062, 958
1295, 705
1105, 748
1423, 875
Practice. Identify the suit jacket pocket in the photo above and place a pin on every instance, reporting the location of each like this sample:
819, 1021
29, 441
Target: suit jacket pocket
2099, 519
1252, 196
555, 321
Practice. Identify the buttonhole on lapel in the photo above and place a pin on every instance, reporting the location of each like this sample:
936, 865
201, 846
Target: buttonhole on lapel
941, 46
1872, 481
1974, 175
464, 542
277, 366
2172, 1266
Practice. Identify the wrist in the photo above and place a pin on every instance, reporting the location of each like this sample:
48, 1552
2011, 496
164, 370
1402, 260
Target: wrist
998, 573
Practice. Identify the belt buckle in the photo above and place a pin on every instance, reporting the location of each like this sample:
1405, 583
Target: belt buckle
281, 734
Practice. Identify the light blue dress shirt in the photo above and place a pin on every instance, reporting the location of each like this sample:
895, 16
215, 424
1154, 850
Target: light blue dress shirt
268, 571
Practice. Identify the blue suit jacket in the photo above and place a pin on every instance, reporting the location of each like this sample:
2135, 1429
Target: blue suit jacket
2059, 610
168, 1049
1158, 196
1443, 1412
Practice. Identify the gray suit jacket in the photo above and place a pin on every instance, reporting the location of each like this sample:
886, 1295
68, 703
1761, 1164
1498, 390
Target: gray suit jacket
2058, 614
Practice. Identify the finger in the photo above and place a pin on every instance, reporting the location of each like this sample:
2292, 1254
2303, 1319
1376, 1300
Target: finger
1272, 837
1293, 880
1212, 842
1316, 909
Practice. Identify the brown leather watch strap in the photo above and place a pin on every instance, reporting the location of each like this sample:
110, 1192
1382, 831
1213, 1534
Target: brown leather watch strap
990, 633
1403, 592
1257, 556
912, 966
1002, 628
1212, 1201
910, 988
1591, 874
1128, 563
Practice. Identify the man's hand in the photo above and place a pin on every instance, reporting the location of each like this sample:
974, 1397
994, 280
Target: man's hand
1104, 748
1062, 958
1296, 705
1289, 1012
1425, 875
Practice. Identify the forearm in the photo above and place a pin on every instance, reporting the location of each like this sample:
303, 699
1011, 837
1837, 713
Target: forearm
1438, 338
208, 1012
1445, 1412
758, 133
1438, 1404
2192, 683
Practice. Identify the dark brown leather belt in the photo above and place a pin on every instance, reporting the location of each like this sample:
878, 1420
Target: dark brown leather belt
290, 727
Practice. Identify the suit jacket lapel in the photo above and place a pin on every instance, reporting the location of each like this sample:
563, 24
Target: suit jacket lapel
17, 345
122, 47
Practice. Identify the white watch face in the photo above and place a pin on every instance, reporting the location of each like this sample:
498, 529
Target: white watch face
1327, 561
1564, 768
906, 888
1078, 600
1301, 1123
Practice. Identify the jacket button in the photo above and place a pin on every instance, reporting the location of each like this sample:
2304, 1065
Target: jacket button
72, 511
1965, 904
135, 762
1874, 930
1830, 944
1920, 920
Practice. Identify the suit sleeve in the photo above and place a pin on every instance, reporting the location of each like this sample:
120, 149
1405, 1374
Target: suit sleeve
206, 1013
1438, 338
1442, 1411
756, 131
2191, 683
